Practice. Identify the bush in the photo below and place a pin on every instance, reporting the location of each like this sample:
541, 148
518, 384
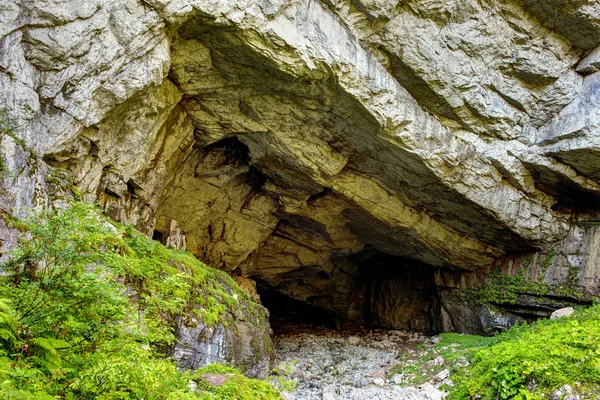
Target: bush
86, 304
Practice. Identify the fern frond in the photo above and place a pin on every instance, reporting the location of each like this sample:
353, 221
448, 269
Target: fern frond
7, 315
48, 349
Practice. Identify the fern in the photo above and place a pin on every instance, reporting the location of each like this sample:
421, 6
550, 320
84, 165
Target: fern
71, 331
47, 351
7, 316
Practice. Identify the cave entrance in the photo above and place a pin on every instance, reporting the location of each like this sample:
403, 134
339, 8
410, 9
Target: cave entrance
287, 313
367, 290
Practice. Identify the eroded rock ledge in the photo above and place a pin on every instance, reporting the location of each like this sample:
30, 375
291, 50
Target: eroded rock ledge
346, 153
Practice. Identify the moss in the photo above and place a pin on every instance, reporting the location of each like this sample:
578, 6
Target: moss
208, 293
61, 185
505, 289
547, 262
236, 386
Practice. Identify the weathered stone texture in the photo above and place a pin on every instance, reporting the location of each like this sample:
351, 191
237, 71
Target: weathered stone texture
539, 283
286, 137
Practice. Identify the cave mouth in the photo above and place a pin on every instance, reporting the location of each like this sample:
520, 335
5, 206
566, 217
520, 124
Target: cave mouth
386, 292
287, 314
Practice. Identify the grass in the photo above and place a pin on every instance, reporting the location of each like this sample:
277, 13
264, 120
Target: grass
526, 362
529, 361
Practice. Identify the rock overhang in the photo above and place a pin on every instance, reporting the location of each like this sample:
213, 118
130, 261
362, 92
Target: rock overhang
283, 144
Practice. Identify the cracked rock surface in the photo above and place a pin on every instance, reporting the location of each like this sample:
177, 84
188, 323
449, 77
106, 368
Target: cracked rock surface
304, 143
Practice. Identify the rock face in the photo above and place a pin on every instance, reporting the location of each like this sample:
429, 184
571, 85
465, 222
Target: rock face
348, 154
241, 338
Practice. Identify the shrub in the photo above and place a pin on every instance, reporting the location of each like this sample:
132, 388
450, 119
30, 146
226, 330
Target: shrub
86, 304
529, 361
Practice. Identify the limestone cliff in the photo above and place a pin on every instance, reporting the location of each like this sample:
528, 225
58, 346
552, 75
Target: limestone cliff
347, 153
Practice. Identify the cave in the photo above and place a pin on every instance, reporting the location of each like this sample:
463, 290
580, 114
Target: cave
361, 179
341, 166
386, 292
285, 312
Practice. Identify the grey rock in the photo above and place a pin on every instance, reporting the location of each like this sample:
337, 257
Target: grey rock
360, 382
378, 382
353, 363
437, 362
563, 312
590, 63
442, 375
561, 392
297, 142
354, 340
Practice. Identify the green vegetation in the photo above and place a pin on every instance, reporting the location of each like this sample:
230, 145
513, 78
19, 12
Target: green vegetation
528, 361
8, 128
281, 376
453, 348
86, 305
236, 386
505, 289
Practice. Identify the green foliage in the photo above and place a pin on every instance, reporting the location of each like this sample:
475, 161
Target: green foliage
8, 128
86, 304
530, 361
505, 289
281, 377
236, 387
467, 343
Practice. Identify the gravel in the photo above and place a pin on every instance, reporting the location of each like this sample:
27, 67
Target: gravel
330, 365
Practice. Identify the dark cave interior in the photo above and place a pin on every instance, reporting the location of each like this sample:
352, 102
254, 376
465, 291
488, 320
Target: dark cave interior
390, 292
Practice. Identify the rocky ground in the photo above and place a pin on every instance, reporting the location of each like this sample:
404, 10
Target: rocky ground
359, 364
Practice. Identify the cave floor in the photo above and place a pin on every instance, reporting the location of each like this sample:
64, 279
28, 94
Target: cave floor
358, 364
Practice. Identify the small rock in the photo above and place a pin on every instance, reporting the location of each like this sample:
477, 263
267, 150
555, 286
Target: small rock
329, 396
562, 312
316, 385
560, 392
379, 374
379, 381
431, 392
461, 362
360, 382
444, 374
435, 339
397, 379
354, 340
398, 333
436, 362
287, 396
